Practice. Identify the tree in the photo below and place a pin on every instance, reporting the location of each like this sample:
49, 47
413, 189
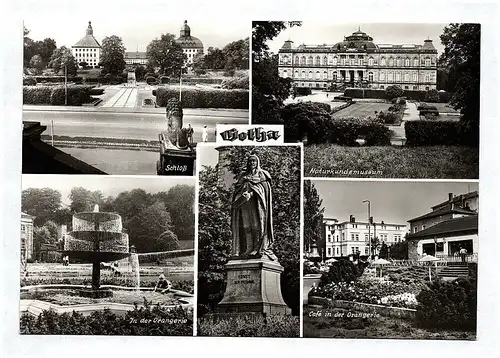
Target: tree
41, 203
461, 57
112, 55
198, 65
214, 239
36, 63
45, 49
140, 71
432, 95
399, 251
29, 48
214, 59
166, 54
62, 57
269, 90
236, 55
313, 216
83, 64
384, 251
393, 91
84, 200
179, 202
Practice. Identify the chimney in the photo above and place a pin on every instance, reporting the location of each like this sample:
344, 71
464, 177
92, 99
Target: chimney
382, 222
450, 197
352, 218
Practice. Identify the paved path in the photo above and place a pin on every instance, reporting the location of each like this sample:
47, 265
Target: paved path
126, 97
411, 112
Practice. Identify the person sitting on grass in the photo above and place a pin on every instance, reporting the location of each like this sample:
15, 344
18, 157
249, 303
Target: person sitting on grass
163, 285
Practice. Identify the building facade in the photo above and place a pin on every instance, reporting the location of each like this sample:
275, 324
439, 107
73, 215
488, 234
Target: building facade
358, 62
26, 237
349, 237
191, 45
136, 58
448, 227
87, 49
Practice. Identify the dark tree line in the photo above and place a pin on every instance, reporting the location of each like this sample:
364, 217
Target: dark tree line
154, 222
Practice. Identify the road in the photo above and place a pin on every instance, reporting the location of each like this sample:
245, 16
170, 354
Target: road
139, 125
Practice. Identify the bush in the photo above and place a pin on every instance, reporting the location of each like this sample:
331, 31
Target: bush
36, 95
235, 83
448, 305
77, 95
391, 118
150, 80
273, 325
163, 80
342, 271
204, 98
302, 91
425, 133
381, 94
96, 91
444, 97
29, 81
432, 95
161, 322
393, 91
58, 79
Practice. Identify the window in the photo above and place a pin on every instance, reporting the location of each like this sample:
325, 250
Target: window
415, 62
407, 62
329, 251
325, 75
303, 60
335, 76
352, 237
329, 238
303, 74
335, 60
391, 62
285, 73
310, 60
427, 88
317, 75
427, 62
390, 77
23, 228
366, 237
337, 238
338, 251
415, 77
296, 61
382, 87
407, 77
318, 61
427, 78
366, 251
398, 76
353, 61
382, 76
370, 76
325, 60
398, 62
382, 61
370, 61
415, 229
407, 87
296, 74
357, 237
310, 75
415, 88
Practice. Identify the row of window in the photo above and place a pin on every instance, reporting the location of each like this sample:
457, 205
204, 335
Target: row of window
337, 251
324, 85
85, 49
355, 226
353, 61
391, 77
81, 55
355, 237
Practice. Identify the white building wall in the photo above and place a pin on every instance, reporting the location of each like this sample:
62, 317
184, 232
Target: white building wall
474, 238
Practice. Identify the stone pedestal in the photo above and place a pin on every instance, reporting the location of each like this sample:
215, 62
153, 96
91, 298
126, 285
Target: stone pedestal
173, 160
253, 286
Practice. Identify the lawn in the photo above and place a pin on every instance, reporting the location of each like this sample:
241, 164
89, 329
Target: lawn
442, 107
340, 325
433, 162
362, 109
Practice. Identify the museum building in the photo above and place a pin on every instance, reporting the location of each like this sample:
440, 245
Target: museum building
358, 62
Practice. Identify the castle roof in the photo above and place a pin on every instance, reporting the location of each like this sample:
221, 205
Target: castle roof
88, 40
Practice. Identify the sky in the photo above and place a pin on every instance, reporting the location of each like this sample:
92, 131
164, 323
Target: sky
393, 202
108, 185
136, 23
317, 33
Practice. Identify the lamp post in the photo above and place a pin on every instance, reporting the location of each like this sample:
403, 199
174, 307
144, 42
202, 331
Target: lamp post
180, 86
369, 232
65, 84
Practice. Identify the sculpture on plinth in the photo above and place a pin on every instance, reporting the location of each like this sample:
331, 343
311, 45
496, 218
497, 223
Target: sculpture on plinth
253, 273
251, 213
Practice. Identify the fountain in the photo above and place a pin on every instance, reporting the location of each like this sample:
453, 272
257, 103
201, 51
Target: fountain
96, 237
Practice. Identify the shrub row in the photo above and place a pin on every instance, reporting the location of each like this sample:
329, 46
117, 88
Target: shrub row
203, 98
444, 97
302, 91
235, 83
107, 79
54, 95
311, 120
29, 81
58, 79
425, 132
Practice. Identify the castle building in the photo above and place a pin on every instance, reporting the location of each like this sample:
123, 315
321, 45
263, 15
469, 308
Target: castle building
191, 45
358, 62
349, 237
87, 49
136, 58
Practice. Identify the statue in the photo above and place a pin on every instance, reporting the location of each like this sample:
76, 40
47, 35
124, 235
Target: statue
177, 135
251, 213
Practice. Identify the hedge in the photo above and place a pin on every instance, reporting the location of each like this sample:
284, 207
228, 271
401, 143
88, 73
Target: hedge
312, 120
96, 91
204, 81
29, 81
448, 305
302, 91
163, 79
54, 95
425, 132
235, 83
58, 79
107, 79
204, 98
444, 97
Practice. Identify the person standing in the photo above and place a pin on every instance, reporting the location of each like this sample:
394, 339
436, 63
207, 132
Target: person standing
463, 252
204, 135
190, 133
